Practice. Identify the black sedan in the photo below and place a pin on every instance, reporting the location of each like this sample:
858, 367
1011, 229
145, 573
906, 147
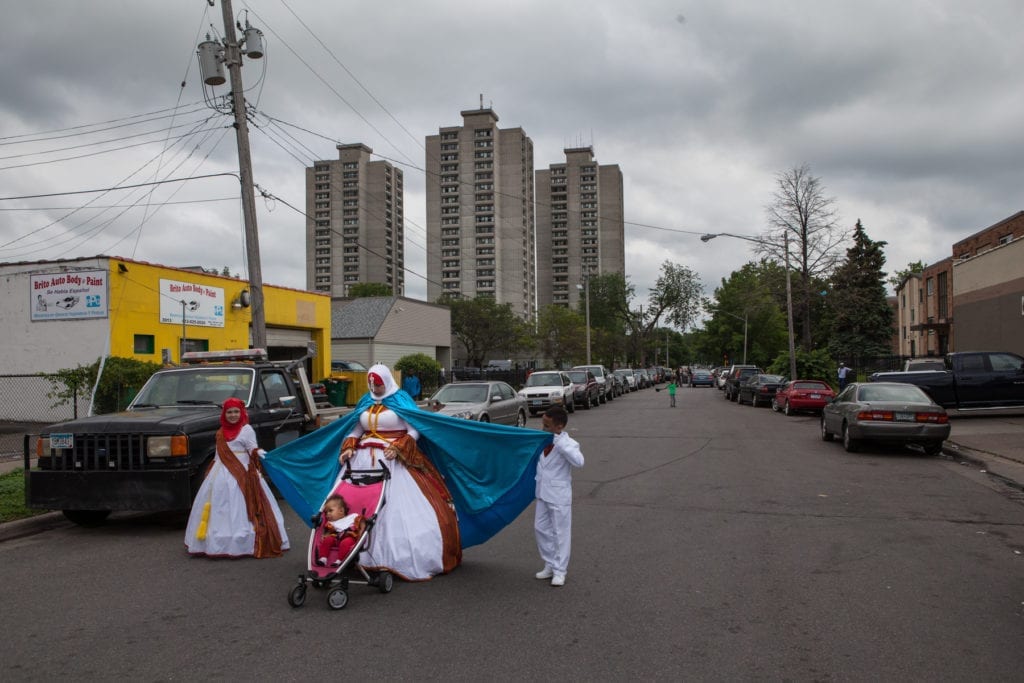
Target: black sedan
701, 378
759, 389
586, 390
885, 412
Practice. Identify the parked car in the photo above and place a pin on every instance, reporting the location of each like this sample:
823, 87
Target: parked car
601, 375
885, 412
586, 390
759, 389
736, 376
969, 379
347, 366
643, 378
721, 377
802, 394
481, 401
701, 378
627, 377
546, 388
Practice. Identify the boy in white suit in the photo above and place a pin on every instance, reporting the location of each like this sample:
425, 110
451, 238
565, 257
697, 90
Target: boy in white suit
553, 522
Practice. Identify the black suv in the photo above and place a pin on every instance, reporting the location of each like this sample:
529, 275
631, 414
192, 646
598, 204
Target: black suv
738, 374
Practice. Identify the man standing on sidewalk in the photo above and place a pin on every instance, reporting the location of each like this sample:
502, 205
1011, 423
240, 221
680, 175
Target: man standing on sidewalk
843, 372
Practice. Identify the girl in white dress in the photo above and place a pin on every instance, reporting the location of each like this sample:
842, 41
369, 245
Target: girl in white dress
234, 513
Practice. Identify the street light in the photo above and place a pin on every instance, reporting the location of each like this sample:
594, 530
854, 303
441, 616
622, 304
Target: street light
789, 288
586, 287
744, 319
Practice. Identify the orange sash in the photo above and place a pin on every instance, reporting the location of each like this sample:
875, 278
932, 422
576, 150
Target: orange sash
261, 514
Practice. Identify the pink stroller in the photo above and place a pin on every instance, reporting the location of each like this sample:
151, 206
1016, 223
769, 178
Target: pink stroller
365, 491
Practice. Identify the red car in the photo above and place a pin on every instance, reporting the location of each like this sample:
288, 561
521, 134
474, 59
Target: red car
802, 394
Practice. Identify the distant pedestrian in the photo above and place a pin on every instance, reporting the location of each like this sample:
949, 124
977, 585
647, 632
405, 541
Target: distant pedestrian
672, 393
843, 372
411, 384
553, 522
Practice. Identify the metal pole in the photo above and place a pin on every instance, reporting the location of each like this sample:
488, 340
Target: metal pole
233, 60
744, 338
789, 311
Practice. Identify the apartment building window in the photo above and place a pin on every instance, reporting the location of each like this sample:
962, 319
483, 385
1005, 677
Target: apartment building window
484, 207
449, 157
483, 155
482, 133
483, 144
450, 264
486, 175
1006, 239
450, 274
350, 164
485, 219
449, 146
450, 242
450, 135
930, 284
449, 200
558, 170
484, 241
484, 251
485, 284
450, 221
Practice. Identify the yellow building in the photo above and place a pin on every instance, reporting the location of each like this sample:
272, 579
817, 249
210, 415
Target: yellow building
60, 314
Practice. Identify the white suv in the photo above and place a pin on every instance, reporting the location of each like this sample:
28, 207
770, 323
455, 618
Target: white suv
546, 388
601, 374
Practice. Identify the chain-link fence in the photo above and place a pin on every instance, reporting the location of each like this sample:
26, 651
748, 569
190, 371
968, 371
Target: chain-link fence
25, 407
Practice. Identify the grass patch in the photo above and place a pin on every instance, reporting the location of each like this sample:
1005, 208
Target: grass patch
12, 497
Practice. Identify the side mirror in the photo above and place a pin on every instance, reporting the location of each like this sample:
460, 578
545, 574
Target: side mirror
287, 401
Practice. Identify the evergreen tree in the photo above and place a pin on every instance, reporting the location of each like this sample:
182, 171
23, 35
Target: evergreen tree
862, 319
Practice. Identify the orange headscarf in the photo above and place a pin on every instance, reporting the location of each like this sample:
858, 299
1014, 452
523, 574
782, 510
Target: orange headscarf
231, 430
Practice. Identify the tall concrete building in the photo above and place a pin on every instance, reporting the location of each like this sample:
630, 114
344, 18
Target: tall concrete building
480, 224
580, 226
355, 225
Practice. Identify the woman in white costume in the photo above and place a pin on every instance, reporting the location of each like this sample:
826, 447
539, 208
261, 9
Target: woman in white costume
234, 513
416, 535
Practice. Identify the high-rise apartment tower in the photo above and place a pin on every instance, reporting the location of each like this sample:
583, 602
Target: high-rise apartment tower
480, 224
355, 226
580, 226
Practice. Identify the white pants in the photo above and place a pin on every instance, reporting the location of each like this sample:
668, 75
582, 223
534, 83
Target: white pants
553, 529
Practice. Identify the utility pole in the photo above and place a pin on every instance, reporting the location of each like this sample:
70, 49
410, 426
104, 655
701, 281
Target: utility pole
232, 58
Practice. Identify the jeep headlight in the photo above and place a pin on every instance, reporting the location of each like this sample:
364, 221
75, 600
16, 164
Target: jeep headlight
167, 446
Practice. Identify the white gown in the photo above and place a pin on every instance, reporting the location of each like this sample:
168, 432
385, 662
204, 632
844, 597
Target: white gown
229, 531
406, 539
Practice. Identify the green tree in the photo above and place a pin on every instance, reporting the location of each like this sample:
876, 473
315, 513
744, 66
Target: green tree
675, 298
562, 335
121, 380
862, 318
360, 290
424, 367
898, 276
755, 294
483, 326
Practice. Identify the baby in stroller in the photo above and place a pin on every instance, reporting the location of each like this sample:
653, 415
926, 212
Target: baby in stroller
339, 531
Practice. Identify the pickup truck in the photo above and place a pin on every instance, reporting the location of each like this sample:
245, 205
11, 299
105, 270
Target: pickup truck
153, 456
971, 380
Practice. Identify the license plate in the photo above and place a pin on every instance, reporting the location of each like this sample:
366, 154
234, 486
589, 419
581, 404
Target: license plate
815, 395
905, 417
536, 403
62, 440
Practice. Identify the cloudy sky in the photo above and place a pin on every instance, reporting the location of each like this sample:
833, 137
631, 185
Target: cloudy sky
911, 113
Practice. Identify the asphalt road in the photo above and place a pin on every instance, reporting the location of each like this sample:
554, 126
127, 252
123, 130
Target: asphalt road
711, 542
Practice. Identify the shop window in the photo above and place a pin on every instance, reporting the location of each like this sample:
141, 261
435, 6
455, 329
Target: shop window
144, 344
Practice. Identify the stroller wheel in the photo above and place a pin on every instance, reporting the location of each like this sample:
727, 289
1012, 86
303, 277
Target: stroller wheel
337, 598
385, 582
297, 596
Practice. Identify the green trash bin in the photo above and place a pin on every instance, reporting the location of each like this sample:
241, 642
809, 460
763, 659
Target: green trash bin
337, 390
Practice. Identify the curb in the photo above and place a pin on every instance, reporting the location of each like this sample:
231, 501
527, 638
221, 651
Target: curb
29, 526
1007, 470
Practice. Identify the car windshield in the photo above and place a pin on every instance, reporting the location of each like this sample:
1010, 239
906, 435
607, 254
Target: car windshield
462, 393
195, 386
818, 386
543, 379
580, 377
903, 393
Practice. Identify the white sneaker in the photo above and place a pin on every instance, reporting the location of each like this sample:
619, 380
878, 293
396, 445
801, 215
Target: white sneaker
545, 573
322, 562
558, 580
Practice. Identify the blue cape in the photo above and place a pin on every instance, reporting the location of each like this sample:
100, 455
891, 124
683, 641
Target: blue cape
489, 469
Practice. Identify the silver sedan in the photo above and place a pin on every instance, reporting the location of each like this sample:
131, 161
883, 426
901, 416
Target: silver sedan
481, 401
885, 412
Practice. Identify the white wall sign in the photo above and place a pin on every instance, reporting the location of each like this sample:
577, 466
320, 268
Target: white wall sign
68, 295
203, 307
